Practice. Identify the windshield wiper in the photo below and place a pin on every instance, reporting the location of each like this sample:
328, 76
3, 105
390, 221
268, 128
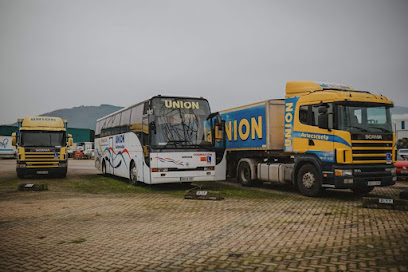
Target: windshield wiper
382, 129
360, 128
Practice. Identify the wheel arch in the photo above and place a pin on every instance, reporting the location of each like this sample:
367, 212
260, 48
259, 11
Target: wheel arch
302, 160
252, 164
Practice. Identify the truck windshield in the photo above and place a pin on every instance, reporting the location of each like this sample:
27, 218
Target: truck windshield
179, 123
365, 118
43, 138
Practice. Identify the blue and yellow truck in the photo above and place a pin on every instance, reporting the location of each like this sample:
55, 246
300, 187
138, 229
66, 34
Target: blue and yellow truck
320, 136
42, 143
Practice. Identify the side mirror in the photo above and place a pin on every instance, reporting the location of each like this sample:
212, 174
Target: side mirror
322, 109
13, 139
323, 118
152, 126
323, 121
70, 140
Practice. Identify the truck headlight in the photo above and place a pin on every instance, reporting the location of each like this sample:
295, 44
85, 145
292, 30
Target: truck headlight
345, 172
392, 170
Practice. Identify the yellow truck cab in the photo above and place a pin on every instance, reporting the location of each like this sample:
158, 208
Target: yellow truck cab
342, 133
42, 143
321, 135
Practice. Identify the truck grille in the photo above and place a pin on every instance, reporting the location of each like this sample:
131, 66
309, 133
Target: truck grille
41, 159
371, 151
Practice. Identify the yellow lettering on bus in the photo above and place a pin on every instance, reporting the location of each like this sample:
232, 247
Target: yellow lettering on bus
167, 103
181, 104
195, 105
176, 104
242, 123
256, 128
187, 105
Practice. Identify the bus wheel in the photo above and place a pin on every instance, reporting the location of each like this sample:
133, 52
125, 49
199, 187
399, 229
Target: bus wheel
245, 175
362, 191
309, 181
133, 174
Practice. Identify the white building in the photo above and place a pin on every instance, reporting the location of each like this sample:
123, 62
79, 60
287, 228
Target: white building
400, 126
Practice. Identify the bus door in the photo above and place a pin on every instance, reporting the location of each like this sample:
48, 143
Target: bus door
145, 146
110, 164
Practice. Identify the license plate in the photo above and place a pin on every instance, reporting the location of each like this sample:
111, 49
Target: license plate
386, 201
374, 183
186, 178
201, 193
42, 172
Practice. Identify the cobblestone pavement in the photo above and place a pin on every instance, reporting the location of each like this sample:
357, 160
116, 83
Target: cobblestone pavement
49, 231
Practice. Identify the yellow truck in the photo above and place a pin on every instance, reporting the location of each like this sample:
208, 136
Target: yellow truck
320, 136
42, 143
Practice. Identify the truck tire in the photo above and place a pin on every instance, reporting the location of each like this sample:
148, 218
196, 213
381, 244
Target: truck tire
309, 181
245, 175
362, 191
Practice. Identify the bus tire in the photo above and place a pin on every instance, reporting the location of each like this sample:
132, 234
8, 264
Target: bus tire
362, 191
133, 174
309, 181
245, 175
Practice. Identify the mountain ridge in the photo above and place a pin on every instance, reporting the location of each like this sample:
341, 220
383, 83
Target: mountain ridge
86, 116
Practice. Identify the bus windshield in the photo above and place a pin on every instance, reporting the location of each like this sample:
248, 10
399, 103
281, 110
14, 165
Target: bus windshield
43, 138
365, 118
179, 123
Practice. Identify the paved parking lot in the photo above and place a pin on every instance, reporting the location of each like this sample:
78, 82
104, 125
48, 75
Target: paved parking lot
160, 231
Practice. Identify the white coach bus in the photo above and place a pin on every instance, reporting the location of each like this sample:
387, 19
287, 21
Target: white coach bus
159, 140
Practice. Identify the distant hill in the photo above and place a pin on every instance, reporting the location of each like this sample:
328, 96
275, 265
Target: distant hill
83, 116
86, 116
397, 110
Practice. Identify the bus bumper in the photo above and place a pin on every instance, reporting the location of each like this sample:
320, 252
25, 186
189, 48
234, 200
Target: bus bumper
182, 176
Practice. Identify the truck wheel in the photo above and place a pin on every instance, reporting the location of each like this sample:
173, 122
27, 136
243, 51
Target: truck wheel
309, 181
362, 191
133, 174
245, 175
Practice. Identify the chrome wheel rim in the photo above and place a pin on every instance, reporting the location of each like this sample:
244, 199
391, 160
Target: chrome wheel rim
308, 180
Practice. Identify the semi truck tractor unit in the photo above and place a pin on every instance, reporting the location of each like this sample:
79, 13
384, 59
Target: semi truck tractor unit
320, 136
41, 146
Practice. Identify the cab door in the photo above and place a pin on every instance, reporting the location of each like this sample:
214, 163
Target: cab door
313, 131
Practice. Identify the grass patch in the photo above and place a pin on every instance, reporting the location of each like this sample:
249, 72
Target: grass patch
78, 241
99, 184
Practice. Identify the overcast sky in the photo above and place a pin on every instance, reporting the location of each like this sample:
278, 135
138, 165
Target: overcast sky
62, 54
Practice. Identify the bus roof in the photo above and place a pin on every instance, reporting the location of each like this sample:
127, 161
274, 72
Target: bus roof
143, 101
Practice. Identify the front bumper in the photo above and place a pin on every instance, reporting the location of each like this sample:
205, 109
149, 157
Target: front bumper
366, 176
181, 176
